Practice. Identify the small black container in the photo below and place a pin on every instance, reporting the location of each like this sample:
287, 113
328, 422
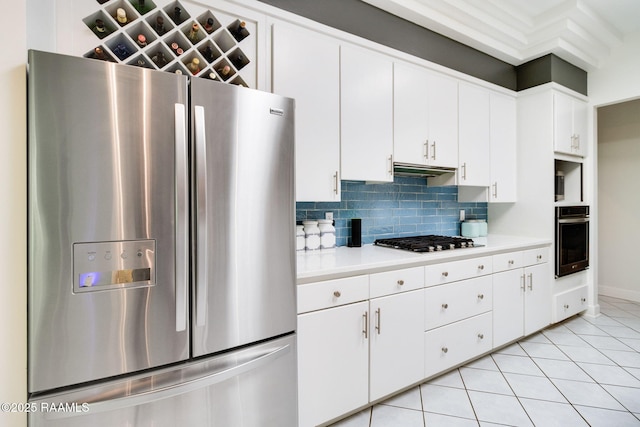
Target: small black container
356, 233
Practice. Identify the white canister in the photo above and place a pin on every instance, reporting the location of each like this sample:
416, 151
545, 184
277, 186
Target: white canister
311, 235
299, 237
327, 234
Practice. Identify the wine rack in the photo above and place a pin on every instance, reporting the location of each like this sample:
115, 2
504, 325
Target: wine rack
175, 37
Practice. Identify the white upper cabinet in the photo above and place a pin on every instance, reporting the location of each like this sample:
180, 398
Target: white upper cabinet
306, 67
474, 136
570, 124
366, 103
503, 186
425, 117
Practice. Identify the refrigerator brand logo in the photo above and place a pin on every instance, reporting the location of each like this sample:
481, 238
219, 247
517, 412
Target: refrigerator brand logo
276, 111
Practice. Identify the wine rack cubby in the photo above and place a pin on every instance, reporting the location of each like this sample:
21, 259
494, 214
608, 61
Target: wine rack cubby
173, 36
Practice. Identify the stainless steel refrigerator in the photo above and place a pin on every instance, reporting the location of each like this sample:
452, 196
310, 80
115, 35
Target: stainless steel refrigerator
161, 284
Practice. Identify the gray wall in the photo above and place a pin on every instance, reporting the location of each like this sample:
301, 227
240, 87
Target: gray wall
369, 22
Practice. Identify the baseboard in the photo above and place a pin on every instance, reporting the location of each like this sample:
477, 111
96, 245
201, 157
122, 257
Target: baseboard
627, 294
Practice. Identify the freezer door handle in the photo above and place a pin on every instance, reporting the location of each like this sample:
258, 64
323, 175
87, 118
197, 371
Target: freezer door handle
182, 217
201, 220
176, 384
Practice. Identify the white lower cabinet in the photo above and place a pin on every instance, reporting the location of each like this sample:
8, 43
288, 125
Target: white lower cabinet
521, 295
457, 342
396, 344
333, 362
570, 302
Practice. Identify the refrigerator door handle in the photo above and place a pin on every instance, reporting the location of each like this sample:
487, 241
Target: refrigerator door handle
178, 387
201, 220
182, 230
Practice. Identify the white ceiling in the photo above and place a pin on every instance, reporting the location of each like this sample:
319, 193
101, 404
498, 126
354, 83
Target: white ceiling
582, 32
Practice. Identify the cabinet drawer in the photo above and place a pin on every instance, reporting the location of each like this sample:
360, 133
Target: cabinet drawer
456, 301
439, 274
391, 282
332, 293
458, 342
571, 302
508, 261
535, 256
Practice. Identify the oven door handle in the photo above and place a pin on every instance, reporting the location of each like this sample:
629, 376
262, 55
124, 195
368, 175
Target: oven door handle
573, 220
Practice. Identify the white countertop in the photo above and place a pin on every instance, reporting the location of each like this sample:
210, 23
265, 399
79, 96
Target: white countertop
344, 261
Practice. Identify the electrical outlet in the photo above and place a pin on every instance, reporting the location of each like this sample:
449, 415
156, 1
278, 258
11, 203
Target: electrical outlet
462, 215
328, 215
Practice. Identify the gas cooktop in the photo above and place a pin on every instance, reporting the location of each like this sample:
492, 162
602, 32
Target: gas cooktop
428, 243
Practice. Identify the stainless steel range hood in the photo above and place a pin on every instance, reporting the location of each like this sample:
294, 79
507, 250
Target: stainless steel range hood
409, 169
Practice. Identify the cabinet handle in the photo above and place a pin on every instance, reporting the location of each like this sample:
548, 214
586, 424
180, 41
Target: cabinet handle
583, 299
539, 257
433, 151
400, 282
335, 183
445, 350
378, 319
464, 171
337, 294
566, 306
530, 281
480, 296
577, 142
481, 267
481, 336
445, 306
445, 273
495, 190
391, 164
426, 150
365, 330
523, 282
510, 262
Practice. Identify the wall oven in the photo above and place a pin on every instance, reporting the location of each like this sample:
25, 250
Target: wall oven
572, 239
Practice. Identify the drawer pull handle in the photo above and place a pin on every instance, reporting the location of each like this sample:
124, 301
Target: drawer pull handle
378, 320
583, 299
337, 294
445, 306
566, 306
539, 257
445, 273
510, 262
445, 349
481, 267
480, 296
481, 336
400, 282
365, 330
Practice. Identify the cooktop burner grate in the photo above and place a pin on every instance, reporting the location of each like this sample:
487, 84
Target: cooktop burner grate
428, 243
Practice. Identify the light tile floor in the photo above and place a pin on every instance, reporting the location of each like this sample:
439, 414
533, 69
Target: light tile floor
581, 372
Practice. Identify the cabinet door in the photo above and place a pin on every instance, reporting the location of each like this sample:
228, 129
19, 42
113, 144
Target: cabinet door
474, 137
397, 344
580, 118
410, 114
508, 306
503, 149
366, 102
333, 366
306, 67
443, 121
537, 299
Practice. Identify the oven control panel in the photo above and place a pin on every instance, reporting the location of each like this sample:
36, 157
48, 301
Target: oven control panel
113, 265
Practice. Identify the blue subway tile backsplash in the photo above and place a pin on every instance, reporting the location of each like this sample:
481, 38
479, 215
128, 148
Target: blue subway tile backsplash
405, 207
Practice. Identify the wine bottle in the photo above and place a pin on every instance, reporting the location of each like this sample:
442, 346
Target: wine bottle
193, 33
194, 66
208, 27
159, 26
99, 29
159, 59
239, 31
176, 14
121, 16
141, 40
98, 53
208, 54
224, 72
